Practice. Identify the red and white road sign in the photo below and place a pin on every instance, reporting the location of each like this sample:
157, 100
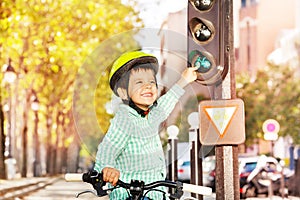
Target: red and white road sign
271, 128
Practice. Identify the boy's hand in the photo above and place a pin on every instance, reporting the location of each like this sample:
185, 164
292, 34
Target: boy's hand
188, 75
111, 175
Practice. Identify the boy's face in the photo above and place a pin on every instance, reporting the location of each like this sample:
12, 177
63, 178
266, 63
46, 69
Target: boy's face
142, 88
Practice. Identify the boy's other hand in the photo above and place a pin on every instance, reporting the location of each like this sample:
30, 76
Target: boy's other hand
111, 175
188, 75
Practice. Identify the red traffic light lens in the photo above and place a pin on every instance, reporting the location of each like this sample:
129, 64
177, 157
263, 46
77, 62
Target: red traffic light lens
202, 30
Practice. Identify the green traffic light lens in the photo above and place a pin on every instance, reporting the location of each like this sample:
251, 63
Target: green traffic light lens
202, 60
202, 64
203, 5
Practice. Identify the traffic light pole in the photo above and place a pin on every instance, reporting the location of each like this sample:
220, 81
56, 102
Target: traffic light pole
211, 51
227, 176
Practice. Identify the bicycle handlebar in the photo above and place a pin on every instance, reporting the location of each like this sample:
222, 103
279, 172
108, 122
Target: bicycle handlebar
98, 183
73, 177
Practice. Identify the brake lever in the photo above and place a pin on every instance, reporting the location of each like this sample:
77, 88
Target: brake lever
98, 187
97, 193
86, 191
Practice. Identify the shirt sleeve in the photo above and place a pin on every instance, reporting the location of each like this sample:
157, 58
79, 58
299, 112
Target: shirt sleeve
113, 143
166, 104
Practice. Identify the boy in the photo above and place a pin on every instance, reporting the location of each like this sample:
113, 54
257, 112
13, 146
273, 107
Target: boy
132, 149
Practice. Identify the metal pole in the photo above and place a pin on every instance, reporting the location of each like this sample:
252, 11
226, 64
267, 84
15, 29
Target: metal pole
227, 176
172, 156
292, 161
272, 148
196, 162
9, 124
173, 159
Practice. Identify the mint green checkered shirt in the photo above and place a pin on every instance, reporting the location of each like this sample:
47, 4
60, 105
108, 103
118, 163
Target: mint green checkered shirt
132, 144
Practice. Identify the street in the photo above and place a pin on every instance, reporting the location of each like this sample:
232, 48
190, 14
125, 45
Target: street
62, 190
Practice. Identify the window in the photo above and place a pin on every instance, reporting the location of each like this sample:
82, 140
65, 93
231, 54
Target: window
244, 3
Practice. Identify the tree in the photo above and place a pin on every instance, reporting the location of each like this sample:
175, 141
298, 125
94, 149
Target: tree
48, 41
2, 145
274, 93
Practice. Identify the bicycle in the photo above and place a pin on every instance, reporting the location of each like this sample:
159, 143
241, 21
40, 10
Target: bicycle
137, 190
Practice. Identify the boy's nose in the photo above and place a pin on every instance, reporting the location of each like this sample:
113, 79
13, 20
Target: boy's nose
148, 85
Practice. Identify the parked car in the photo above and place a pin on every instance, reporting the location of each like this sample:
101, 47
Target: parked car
184, 170
246, 166
208, 165
183, 167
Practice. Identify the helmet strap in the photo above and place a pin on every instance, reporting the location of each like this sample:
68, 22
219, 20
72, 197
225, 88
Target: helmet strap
140, 111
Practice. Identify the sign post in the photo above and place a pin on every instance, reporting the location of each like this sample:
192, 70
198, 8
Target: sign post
211, 51
271, 128
195, 157
222, 123
227, 174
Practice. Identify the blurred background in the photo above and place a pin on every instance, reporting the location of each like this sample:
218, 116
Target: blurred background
46, 50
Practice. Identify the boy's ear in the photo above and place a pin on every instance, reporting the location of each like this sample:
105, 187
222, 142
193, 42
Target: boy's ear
122, 93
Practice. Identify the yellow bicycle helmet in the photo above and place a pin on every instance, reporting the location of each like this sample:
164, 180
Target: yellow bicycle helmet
127, 61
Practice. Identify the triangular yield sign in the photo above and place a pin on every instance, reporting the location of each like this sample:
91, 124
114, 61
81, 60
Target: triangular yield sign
220, 117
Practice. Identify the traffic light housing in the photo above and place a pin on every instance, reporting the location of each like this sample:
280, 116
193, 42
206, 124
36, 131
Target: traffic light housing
207, 48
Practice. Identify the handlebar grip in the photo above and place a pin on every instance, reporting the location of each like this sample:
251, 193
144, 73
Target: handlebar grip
197, 189
73, 177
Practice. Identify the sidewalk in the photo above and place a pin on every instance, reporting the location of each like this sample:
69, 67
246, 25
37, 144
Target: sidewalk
21, 186
5, 184
274, 198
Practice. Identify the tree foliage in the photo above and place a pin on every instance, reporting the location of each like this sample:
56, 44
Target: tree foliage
49, 42
273, 94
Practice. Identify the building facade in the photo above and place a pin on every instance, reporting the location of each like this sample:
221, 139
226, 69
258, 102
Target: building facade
260, 24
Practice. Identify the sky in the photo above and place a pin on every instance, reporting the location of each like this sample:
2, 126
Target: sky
154, 12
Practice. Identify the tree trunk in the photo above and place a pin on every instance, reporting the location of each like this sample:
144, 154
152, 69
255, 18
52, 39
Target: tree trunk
49, 170
56, 145
53, 159
37, 160
24, 150
73, 154
64, 150
2, 145
64, 157
24, 136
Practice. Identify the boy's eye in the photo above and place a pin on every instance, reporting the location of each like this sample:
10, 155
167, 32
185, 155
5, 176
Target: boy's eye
138, 82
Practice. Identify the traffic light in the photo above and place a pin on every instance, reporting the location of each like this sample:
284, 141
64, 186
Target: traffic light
207, 40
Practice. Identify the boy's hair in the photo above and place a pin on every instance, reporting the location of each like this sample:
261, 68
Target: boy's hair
124, 80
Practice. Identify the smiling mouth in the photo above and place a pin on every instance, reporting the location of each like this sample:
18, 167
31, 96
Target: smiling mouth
147, 95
